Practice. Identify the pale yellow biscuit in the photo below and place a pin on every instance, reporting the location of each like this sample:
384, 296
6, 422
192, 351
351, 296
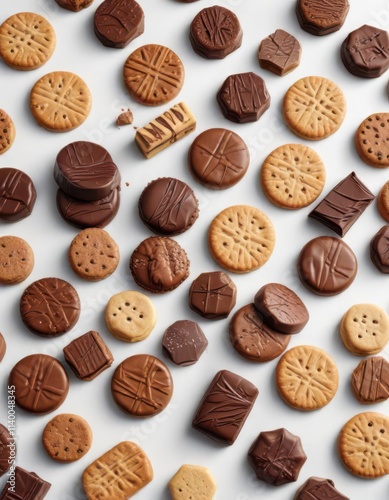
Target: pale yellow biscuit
130, 316
27, 40
7, 131
93, 254
365, 329
16, 260
314, 107
307, 377
241, 238
293, 176
60, 101
363, 445
192, 482
118, 474
383, 201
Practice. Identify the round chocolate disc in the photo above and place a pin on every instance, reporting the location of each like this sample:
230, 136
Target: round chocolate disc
159, 264
168, 206
184, 342
327, 265
17, 194
41, 383
254, 340
379, 250
218, 158
142, 385
50, 307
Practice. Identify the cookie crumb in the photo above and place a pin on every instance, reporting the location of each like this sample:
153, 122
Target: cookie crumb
125, 118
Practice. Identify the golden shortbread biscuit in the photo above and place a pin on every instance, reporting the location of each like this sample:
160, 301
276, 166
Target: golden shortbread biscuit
383, 201
371, 140
293, 176
130, 316
27, 40
365, 329
192, 482
60, 101
16, 260
314, 107
306, 377
7, 131
241, 238
363, 445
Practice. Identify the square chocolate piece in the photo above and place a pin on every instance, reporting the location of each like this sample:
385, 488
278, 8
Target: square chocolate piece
28, 486
343, 205
225, 407
88, 355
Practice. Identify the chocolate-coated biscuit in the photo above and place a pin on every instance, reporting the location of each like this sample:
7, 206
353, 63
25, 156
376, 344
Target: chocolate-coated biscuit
168, 206
74, 5
371, 140
184, 342
7, 131
279, 52
370, 380
379, 249
17, 260
7, 445
321, 18
318, 488
28, 486
383, 201
17, 195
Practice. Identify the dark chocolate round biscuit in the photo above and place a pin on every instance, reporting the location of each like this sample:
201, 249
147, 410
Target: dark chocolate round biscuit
327, 265
212, 295
7, 450
50, 307
17, 194
321, 18
215, 32
159, 264
85, 171
318, 488
3, 346
243, 97
218, 158
281, 308
41, 383
370, 380
117, 22
365, 52
142, 385
254, 340
74, 5
184, 342
168, 206
85, 214
279, 53
379, 250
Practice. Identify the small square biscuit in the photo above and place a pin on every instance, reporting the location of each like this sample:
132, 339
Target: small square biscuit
192, 482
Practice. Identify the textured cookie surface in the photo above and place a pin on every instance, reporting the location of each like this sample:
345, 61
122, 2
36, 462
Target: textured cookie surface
16, 260
7, 131
280, 52
370, 380
371, 140
321, 18
192, 482
383, 201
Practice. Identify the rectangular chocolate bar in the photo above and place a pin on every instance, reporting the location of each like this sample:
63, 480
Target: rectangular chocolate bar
343, 205
167, 128
225, 407
25, 486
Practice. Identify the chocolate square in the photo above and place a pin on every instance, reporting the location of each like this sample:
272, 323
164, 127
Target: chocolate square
88, 355
27, 486
343, 205
225, 406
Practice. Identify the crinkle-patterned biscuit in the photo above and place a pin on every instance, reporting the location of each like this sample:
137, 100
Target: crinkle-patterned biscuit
16, 260
371, 140
27, 40
383, 201
314, 107
60, 101
118, 474
7, 131
365, 329
241, 238
192, 482
363, 445
306, 377
293, 176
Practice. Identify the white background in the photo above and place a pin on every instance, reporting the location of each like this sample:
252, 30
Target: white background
168, 438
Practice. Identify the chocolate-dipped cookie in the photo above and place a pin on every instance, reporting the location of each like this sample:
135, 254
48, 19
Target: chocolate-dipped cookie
379, 249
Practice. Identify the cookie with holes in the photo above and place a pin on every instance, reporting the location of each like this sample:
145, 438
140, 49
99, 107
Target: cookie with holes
7, 131
372, 140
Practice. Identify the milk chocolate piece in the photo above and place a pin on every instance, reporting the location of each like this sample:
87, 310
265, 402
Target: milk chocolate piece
172, 125
168, 206
215, 32
370, 380
365, 52
84, 214
184, 342
212, 295
279, 53
28, 486
277, 457
142, 385
41, 383
281, 308
74, 5
118, 22
321, 18
379, 250
318, 488
7, 450
85, 171
243, 98
50, 307
159, 264
254, 340
88, 355
327, 265
225, 407
218, 158
17, 195
3, 346
343, 205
